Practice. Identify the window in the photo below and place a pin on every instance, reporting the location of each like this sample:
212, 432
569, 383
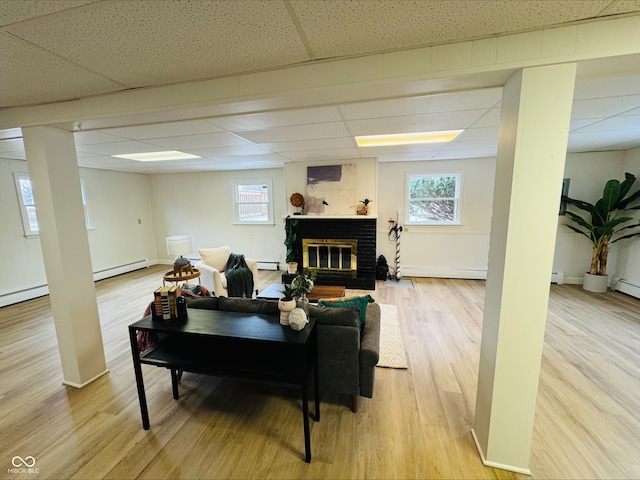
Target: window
27, 204
433, 199
253, 202
28, 208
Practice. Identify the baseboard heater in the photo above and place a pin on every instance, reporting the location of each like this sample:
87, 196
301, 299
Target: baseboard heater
120, 269
625, 286
265, 265
557, 277
41, 290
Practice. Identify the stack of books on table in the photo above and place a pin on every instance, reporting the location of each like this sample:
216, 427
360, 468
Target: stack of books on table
165, 304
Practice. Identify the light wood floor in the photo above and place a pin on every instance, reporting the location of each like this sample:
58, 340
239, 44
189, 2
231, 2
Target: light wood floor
416, 426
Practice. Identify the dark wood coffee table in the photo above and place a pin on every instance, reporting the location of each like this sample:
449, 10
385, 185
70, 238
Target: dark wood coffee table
230, 344
273, 292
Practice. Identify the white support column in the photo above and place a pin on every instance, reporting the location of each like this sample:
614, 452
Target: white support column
536, 109
53, 169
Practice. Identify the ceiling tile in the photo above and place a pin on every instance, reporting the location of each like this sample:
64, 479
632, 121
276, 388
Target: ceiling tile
94, 137
415, 123
296, 132
117, 148
342, 27
12, 11
264, 120
306, 145
220, 139
30, 76
247, 149
172, 40
604, 107
449, 102
163, 130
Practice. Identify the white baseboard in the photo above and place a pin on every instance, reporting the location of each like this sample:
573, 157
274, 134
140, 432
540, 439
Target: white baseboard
23, 295
120, 269
501, 466
627, 287
84, 384
41, 290
469, 274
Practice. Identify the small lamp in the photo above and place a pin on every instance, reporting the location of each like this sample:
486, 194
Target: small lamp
180, 245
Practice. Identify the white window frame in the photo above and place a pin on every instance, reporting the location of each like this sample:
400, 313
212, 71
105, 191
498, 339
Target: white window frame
457, 199
34, 231
237, 203
29, 229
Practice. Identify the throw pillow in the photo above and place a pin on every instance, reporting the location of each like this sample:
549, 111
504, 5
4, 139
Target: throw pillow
360, 302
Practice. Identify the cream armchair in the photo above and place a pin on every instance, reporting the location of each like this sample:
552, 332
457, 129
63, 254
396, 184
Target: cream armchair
212, 270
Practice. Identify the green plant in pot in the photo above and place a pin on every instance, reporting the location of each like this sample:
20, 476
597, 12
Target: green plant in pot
289, 242
604, 223
287, 303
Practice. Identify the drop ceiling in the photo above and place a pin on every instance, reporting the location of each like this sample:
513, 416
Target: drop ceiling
56, 50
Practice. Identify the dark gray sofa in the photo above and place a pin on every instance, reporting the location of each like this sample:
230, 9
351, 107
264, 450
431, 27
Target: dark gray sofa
347, 353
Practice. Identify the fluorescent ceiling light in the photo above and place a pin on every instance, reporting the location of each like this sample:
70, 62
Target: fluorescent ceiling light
407, 138
157, 156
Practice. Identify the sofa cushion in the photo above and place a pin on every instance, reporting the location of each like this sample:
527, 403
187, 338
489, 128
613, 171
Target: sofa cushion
345, 316
207, 303
360, 302
248, 305
215, 257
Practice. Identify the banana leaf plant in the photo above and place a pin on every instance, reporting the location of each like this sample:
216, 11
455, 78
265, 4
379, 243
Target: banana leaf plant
606, 221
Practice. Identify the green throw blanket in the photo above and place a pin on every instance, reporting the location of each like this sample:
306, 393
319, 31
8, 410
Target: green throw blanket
239, 277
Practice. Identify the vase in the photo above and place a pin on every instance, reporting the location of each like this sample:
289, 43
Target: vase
292, 267
595, 283
285, 307
303, 303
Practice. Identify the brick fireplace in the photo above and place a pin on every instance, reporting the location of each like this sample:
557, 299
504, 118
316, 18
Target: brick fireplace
343, 249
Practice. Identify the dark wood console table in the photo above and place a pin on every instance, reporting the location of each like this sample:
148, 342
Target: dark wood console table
229, 344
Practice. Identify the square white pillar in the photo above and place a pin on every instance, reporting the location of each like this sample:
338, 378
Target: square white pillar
53, 169
536, 110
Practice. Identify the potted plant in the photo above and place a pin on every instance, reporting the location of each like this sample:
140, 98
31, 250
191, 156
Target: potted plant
289, 240
605, 223
302, 284
287, 303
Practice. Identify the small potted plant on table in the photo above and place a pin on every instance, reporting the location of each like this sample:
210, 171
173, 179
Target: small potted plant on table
287, 303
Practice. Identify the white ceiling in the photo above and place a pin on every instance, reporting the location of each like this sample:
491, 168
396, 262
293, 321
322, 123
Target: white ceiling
55, 50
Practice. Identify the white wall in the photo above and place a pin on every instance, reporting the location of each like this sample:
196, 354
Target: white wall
200, 205
116, 201
629, 250
439, 251
366, 180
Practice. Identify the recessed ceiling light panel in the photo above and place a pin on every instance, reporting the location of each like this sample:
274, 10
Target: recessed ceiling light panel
407, 138
157, 156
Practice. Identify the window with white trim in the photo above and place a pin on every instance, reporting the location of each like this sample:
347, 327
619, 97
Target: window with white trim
28, 209
253, 202
433, 199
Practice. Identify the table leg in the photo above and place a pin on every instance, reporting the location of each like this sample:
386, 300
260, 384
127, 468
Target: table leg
137, 368
305, 420
174, 383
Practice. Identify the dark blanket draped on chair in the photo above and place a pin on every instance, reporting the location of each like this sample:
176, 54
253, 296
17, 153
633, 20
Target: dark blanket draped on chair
239, 277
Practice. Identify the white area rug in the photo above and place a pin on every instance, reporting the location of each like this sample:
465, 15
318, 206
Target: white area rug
392, 353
